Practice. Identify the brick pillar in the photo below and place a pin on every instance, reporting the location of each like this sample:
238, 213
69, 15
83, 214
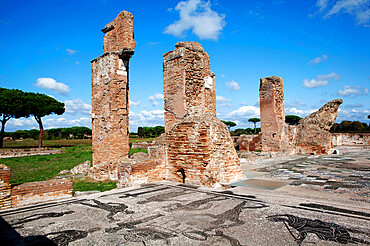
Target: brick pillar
5, 190
272, 113
110, 101
188, 81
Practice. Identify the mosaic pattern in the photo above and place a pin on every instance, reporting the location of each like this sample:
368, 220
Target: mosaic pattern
335, 173
165, 214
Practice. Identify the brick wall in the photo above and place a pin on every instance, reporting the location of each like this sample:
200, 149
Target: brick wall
119, 34
313, 136
351, 139
187, 82
272, 113
42, 191
5, 189
201, 151
110, 100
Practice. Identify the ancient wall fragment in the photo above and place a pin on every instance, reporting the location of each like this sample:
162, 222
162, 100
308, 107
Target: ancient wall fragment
5, 188
313, 136
110, 101
201, 151
188, 81
272, 113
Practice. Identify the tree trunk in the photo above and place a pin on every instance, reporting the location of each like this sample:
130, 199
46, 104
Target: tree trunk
2, 133
39, 121
3, 122
255, 129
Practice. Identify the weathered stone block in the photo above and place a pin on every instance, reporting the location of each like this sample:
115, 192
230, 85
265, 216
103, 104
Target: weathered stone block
188, 81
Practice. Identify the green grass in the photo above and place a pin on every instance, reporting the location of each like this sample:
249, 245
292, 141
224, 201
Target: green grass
135, 140
40, 168
31, 143
88, 186
133, 151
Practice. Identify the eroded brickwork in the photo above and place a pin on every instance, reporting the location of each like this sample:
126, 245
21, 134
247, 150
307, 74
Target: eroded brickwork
5, 189
188, 81
201, 151
42, 191
351, 139
272, 113
110, 100
313, 136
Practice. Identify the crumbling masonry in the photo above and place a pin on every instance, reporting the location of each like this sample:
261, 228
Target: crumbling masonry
310, 136
196, 148
110, 107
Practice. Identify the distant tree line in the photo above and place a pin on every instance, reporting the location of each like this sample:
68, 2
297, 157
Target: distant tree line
148, 132
76, 132
350, 126
16, 104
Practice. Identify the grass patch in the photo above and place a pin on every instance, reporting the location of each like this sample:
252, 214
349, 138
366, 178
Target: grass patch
136, 140
40, 168
83, 185
31, 143
133, 151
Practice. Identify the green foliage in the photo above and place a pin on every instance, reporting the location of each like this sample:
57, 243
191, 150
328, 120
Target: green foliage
254, 120
149, 132
12, 106
350, 126
40, 105
292, 119
82, 185
238, 132
229, 124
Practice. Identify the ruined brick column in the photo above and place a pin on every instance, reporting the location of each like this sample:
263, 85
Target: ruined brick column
110, 101
5, 188
188, 81
313, 136
272, 113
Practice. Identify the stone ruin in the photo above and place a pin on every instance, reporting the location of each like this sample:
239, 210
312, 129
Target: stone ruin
196, 147
110, 101
310, 136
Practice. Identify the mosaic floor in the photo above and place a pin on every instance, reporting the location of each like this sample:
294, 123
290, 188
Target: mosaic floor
348, 172
174, 214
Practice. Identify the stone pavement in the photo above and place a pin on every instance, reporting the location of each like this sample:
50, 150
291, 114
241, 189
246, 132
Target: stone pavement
348, 172
168, 213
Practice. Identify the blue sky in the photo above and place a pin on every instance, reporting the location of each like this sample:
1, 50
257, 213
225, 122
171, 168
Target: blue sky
319, 47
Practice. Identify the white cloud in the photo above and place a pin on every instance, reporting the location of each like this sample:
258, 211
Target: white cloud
77, 106
233, 86
222, 99
48, 122
319, 59
71, 52
294, 104
155, 98
357, 8
77, 63
146, 118
353, 91
356, 105
322, 4
353, 115
245, 111
300, 112
321, 80
134, 104
226, 105
51, 84
197, 15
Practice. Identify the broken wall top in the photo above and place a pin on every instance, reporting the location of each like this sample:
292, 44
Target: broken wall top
119, 34
325, 117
